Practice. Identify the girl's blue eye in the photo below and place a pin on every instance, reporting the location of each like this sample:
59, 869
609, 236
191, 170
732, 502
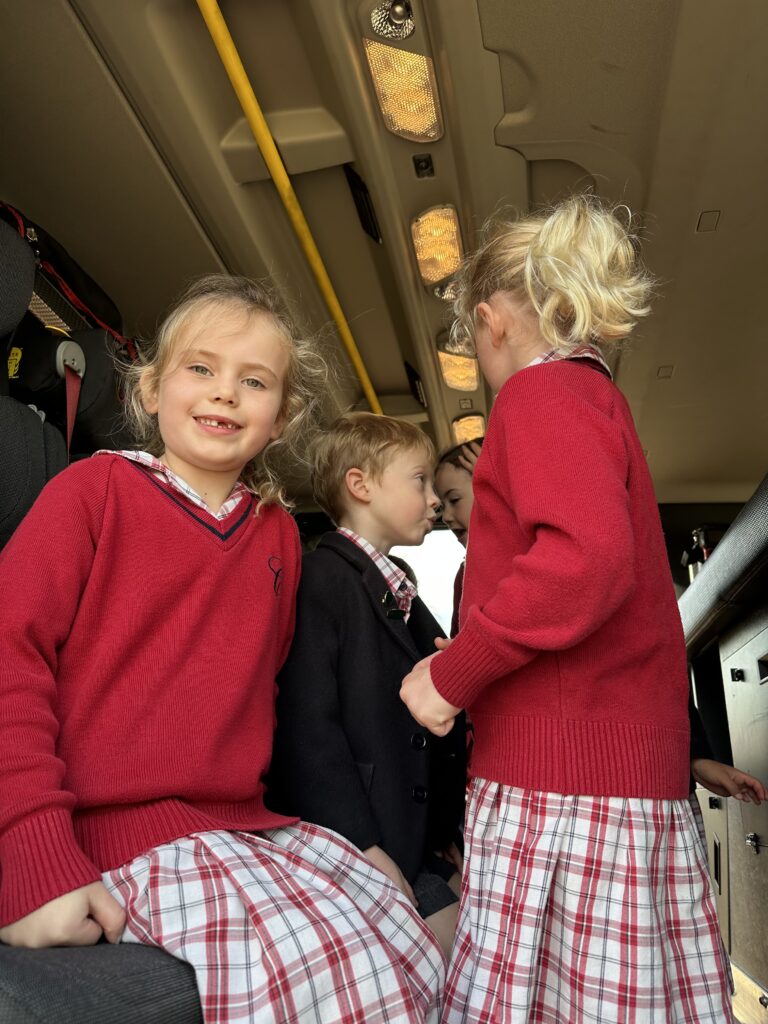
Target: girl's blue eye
253, 382
199, 369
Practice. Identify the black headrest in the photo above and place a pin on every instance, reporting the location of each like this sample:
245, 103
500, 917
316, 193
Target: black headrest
30, 454
17, 278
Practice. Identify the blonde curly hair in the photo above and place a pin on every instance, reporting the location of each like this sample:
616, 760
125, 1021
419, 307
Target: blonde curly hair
306, 374
577, 265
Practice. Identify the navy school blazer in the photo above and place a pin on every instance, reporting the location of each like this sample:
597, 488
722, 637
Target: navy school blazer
347, 753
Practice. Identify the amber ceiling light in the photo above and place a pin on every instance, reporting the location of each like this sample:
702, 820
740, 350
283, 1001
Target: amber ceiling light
465, 428
406, 90
437, 243
458, 372
458, 363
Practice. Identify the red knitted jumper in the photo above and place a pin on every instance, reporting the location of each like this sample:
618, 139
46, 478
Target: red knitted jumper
571, 658
140, 643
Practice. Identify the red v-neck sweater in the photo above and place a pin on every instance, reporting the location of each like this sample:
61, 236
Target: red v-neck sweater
140, 642
570, 657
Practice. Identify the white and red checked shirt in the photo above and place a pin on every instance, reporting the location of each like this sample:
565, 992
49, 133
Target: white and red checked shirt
585, 351
159, 468
403, 589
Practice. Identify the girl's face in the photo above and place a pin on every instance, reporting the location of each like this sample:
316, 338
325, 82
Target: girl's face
454, 489
218, 401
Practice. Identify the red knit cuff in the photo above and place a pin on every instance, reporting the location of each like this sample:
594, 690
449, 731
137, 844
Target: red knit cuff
40, 860
465, 668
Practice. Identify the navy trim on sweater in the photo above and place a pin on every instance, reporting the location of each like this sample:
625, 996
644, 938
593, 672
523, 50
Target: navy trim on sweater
172, 497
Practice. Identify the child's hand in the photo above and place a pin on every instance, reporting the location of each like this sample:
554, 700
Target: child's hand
469, 455
387, 866
442, 643
419, 695
726, 781
78, 918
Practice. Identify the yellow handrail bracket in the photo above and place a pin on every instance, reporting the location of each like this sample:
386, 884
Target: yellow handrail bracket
230, 58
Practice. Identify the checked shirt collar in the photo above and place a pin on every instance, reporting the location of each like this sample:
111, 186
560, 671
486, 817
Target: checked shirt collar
402, 588
239, 491
591, 352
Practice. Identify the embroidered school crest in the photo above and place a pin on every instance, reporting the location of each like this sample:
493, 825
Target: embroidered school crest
275, 564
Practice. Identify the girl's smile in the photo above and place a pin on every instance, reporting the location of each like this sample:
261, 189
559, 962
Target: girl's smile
218, 425
218, 405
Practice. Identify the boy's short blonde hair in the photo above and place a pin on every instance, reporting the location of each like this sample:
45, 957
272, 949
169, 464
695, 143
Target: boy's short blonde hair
363, 441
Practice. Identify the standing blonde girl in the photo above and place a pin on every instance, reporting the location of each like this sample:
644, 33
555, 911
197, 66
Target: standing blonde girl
147, 605
586, 893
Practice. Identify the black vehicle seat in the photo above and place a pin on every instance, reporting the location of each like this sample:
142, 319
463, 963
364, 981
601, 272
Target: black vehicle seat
103, 984
31, 451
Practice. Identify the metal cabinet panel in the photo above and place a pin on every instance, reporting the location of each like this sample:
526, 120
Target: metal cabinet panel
748, 898
750, 1001
714, 813
745, 679
752, 622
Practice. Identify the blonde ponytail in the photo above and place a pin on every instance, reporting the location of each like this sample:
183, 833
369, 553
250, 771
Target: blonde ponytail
576, 265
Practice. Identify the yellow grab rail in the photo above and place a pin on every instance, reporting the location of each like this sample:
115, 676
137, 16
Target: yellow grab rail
233, 65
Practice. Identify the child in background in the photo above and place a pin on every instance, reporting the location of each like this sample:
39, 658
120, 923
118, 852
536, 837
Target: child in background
148, 602
348, 755
586, 894
453, 483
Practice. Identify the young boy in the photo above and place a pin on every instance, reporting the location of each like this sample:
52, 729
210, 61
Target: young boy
348, 755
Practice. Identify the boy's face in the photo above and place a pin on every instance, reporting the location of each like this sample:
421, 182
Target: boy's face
403, 503
454, 488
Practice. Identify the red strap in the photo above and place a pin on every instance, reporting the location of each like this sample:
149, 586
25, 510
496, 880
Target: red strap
128, 343
17, 217
81, 306
72, 384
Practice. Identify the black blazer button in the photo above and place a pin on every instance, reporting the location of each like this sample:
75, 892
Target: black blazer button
418, 741
419, 794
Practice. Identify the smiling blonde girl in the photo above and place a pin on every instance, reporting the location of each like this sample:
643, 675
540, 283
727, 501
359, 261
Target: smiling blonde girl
148, 603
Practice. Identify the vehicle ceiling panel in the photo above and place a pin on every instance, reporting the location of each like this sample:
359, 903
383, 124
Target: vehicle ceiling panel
664, 105
583, 81
77, 162
129, 145
712, 155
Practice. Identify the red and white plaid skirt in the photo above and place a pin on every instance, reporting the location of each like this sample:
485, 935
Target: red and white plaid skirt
584, 909
283, 926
